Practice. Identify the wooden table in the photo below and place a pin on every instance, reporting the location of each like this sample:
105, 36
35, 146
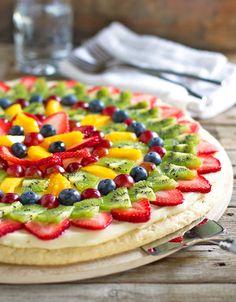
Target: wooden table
202, 273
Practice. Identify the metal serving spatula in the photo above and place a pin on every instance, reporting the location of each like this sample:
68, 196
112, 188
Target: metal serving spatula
207, 232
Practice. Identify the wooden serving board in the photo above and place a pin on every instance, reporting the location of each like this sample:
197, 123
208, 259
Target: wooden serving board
19, 274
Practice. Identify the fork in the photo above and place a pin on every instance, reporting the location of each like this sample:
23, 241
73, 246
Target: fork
103, 58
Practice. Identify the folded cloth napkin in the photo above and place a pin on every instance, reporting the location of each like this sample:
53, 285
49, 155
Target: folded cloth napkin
149, 51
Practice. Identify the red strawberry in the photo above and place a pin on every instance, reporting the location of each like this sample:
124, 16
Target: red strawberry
204, 221
168, 111
76, 154
98, 222
209, 164
4, 87
198, 184
140, 212
205, 148
192, 126
5, 125
139, 97
179, 239
93, 89
47, 231
60, 121
168, 198
28, 81
71, 83
87, 143
8, 156
9, 226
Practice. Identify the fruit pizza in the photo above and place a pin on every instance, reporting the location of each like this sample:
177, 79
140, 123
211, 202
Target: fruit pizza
89, 172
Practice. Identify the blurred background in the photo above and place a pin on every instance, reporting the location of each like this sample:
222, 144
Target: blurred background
203, 24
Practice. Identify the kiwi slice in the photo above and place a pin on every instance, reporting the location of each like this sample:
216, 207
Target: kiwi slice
75, 114
113, 127
160, 182
139, 105
116, 199
34, 108
178, 172
82, 180
40, 87
119, 165
184, 148
182, 159
6, 208
142, 115
85, 212
3, 174
157, 124
140, 190
54, 215
171, 131
89, 202
130, 144
38, 186
26, 213
193, 138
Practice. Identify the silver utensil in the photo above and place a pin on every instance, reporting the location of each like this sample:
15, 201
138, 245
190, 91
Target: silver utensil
207, 232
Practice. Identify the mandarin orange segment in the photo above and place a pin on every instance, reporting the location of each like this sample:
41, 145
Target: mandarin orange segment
69, 139
126, 153
99, 171
53, 107
57, 183
13, 110
96, 120
121, 136
5, 141
10, 184
28, 123
37, 152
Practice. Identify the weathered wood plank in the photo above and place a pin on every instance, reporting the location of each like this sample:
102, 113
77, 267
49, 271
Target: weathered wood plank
226, 118
120, 292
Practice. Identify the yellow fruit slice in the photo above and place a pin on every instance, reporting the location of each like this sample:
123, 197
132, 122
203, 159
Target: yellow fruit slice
53, 107
28, 123
5, 141
99, 171
57, 183
69, 139
10, 184
37, 152
13, 110
127, 153
119, 136
97, 120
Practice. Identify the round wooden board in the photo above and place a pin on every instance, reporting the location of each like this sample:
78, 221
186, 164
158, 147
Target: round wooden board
16, 274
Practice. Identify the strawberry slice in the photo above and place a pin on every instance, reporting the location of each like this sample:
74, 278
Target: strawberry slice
99, 222
5, 125
198, 184
71, 83
75, 154
87, 143
192, 126
4, 87
9, 226
205, 148
210, 164
140, 212
179, 239
8, 156
60, 121
168, 198
47, 231
139, 97
94, 89
168, 111
28, 81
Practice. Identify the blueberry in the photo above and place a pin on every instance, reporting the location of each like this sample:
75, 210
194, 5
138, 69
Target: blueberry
105, 186
119, 116
57, 147
137, 128
29, 197
156, 141
4, 103
16, 130
19, 150
153, 157
68, 197
139, 173
1, 194
96, 106
69, 100
47, 130
36, 98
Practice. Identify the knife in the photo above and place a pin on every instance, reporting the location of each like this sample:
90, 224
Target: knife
202, 231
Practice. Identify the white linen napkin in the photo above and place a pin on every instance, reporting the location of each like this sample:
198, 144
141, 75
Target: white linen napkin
149, 51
